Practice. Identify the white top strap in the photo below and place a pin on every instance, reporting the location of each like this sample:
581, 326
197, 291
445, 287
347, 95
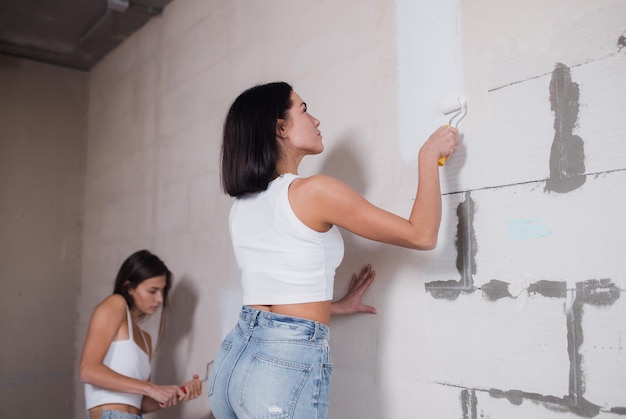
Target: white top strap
145, 342
131, 334
130, 323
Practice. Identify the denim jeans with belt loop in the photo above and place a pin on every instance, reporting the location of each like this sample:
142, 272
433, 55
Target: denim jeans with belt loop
272, 366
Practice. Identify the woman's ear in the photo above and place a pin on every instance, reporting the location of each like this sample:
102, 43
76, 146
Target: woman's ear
280, 128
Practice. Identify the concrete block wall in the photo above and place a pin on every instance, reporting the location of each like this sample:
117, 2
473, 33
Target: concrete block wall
516, 314
156, 109
524, 315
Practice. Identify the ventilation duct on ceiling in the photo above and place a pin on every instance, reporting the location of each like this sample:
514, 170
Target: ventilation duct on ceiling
71, 33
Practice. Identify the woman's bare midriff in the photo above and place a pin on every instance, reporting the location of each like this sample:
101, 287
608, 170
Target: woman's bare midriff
96, 412
318, 311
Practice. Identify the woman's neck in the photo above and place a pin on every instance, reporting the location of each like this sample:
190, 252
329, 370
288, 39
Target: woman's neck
283, 168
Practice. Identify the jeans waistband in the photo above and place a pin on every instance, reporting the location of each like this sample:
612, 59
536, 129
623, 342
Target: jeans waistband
250, 317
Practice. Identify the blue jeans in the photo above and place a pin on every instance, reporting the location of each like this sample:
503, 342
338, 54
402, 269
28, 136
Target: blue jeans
272, 366
115, 414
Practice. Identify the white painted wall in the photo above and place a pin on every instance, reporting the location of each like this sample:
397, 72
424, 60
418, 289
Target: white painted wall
155, 113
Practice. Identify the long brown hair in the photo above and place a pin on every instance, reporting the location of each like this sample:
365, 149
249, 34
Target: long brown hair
138, 267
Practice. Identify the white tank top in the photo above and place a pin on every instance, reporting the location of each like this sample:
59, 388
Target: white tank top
126, 358
282, 261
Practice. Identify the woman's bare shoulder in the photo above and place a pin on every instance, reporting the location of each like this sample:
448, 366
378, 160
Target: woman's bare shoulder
321, 183
114, 305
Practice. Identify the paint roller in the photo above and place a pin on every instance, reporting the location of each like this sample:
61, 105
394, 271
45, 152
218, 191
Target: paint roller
458, 106
204, 380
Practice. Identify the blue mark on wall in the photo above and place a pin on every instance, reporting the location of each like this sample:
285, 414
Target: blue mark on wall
528, 228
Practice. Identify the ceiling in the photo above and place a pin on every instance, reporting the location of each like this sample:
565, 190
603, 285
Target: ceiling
71, 33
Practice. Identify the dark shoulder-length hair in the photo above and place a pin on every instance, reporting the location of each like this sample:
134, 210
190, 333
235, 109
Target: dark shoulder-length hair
249, 146
138, 267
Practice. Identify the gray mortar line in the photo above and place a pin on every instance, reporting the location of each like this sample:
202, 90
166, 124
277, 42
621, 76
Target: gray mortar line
594, 292
573, 345
468, 279
506, 185
513, 83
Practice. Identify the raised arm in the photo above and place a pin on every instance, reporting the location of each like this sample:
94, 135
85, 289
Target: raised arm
321, 201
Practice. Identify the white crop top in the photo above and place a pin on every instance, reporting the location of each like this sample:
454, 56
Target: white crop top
282, 261
127, 358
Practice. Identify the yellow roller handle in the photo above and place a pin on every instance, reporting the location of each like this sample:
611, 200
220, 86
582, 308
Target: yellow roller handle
442, 160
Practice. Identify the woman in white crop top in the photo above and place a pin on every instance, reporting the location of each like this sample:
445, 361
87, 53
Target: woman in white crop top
276, 361
115, 363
